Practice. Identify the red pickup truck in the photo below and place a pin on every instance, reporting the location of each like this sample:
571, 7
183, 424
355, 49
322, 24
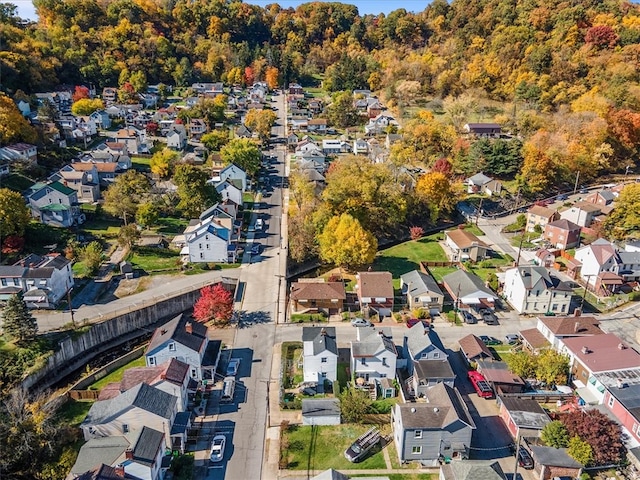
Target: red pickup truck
480, 384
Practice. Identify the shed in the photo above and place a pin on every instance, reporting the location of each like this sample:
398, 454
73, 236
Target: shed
522, 416
126, 269
554, 462
322, 411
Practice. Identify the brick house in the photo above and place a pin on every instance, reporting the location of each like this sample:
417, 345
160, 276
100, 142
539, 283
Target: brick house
562, 234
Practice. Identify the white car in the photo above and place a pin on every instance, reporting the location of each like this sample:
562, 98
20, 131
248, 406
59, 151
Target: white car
232, 368
217, 448
361, 322
259, 224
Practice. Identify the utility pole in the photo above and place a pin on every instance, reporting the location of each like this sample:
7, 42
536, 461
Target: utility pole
517, 200
575, 186
515, 469
70, 306
479, 210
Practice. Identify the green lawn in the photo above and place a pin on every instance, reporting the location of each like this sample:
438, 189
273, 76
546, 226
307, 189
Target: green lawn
343, 375
439, 272
407, 256
103, 228
141, 164
17, 182
171, 225
73, 412
322, 447
485, 267
472, 228
155, 259
116, 375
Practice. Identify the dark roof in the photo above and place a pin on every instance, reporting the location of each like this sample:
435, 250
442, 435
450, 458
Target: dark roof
525, 412
445, 406
553, 457
175, 370
103, 472
564, 224
211, 353
498, 372
473, 470
44, 272
11, 271
318, 291
418, 283
372, 341
572, 326
433, 369
474, 348
176, 330
147, 446
181, 423
323, 338
321, 407
97, 451
136, 375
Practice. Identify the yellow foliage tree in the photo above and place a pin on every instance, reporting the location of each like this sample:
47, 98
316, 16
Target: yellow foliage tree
261, 121
271, 77
13, 126
344, 243
436, 189
162, 162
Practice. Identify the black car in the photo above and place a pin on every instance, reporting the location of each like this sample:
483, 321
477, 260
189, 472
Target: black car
524, 459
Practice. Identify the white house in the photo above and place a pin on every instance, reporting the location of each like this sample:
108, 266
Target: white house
134, 138
468, 290
480, 183
534, 290
188, 342
556, 329
320, 354
597, 258
101, 119
373, 355
234, 172
177, 137
360, 147
582, 213
207, 241
230, 192
23, 151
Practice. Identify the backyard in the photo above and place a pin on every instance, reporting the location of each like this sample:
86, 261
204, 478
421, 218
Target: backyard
117, 375
407, 256
153, 260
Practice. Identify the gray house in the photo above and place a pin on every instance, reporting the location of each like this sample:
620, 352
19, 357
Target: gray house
418, 345
321, 411
472, 470
438, 429
427, 373
422, 291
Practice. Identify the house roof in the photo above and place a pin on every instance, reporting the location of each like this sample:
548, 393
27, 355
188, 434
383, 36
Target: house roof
11, 271
473, 347
525, 413
532, 275
141, 396
426, 368
102, 472
419, 283
330, 474
587, 207
147, 446
479, 178
372, 341
534, 338
317, 291
444, 406
181, 423
464, 238
462, 283
473, 470
498, 372
571, 326
418, 338
602, 250
375, 284
541, 211
174, 371
322, 339
553, 457
97, 451
604, 352
629, 396
564, 224
321, 407
176, 330
133, 376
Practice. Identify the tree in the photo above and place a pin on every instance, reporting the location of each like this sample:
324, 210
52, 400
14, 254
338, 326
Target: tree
86, 106
522, 364
13, 212
17, 321
552, 367
13, 126
580, 450
271, 77
555, 434
162, 162
354, 404
79, 93
416, 233
147, 214
244, 153
302, 233
437, 191
261, 121
91, 256
128, 235
600, 432
341, 111
443, 165
345, 243
194, 192
214, 305
624, 222
215, 140
124, 195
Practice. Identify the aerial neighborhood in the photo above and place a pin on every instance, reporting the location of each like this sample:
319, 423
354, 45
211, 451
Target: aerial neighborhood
317, 242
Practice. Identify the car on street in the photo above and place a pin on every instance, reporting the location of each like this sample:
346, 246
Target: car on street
524, 459
259, 224
562, 197
487, 340
217, 448
361, 322
232, 367
256, 248
512, 338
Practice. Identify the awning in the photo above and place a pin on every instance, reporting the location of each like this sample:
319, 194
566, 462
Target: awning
588, 396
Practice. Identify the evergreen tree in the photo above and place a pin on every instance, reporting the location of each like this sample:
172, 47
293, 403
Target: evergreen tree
17, 321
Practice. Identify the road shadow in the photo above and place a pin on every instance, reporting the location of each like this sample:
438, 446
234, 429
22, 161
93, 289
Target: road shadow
247, 319
246, 361
218, 470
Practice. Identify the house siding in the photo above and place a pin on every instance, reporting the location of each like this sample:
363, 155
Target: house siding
162, 353
314, 367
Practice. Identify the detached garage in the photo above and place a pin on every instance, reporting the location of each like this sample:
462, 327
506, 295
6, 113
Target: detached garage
323, 411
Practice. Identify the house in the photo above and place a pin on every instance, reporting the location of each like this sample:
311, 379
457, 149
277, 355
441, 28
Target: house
522, 416
244, 132
472, 470
582, 214
197, 128
474, 349
418, 344
187, 341
562, 234
544, 258
360, 147
24, 107
374, 107
335, 146
538, 215
100, 451
484, 130
54, 204
101, 119
81, 181
427, 373
234, 172
375, 292
373, 355
317, 125
603, 197
208, 241
134, 138
392, 139
141, 406
311, 295
230, 191
465, 246
605, 267
320, 354
149, 100
320, 411
422, 291
533, 340
468, 290
24, 152
295, 89
109, 94
379, 124
177, 137
437, 430
292, 140
556, 329
534, 290
480, 183
501, 379
622, 399
44, 281
550, 462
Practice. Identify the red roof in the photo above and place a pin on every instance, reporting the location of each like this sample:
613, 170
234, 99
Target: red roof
603, 353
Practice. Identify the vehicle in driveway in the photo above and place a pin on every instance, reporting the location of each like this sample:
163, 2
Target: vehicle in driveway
228, 389
512, 338
467, 317
232, 367
487, 340
489, 317
217, 448
480, 384
361, 322
524, 459
562, 197
256, 248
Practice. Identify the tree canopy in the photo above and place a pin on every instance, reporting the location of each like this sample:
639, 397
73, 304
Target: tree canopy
125, 194
17, 321
345, 243
214, 305
244, 153
13, 212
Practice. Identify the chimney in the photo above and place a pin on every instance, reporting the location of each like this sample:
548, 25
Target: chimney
576, 327
128, 454
323, 332
188, 327
620, 383
119, 470
621, 346
585, 350
577, 312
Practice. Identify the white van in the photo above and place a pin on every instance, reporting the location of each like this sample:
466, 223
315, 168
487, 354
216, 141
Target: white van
259, 224
228, 389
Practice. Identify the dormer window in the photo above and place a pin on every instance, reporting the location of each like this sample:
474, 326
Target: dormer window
172, 347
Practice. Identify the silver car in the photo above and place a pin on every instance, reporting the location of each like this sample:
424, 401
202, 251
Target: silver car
217, 448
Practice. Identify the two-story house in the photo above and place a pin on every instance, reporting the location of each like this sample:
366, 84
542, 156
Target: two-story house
556, 329
187, 341
375, 292
373, 355
562, 233
603, 197
622, 399
134, 138
534, 290
234, 173
439, 429
604, 267
582, 214
80, 180
177, 137
230, 191
320, 354
54, 204
311, 295
464, 246
418, 344
422, 291
539, 216
208, 241
23, 151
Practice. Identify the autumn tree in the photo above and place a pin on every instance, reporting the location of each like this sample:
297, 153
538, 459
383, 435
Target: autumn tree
244, 153
624, 222
162, 162
128, 235
261, 121
13, 212
341, 111
443, 165
215, 139
271, 77
601, 433
86, 106
13, 126
555, 434
214, 305
124, 195
344, 243
522, 364
354, 404
194, 192
79, 93
601, 36
91, 256
438, 192
552, 367
17, 321
147, 214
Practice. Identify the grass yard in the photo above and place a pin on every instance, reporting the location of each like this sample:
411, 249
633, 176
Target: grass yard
171, 225
501, 352
141, 164
116, 375
17, 182
472, 228
343, 376
155, 259
73, 412
407, 256
103, 228
490, 265
439, 272
322, 447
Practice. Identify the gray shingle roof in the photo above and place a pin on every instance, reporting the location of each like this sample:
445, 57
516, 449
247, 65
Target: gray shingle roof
176, 330
419, 283
322, 407
418, 338
147, 446
473, 470
371, 342
463, 283
322, 338
445, 406
433, 369
97, 451
553, 457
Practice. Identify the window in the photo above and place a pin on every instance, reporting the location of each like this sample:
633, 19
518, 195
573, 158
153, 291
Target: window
363, 361
152, 360
424, 355
611, 401
554, 307
207, 246
172, 347
416, 450
416, 299
125, 428
4, 282
323, 360
200, 246
323, 374
384, 362
193, 372
436, 354
417, 434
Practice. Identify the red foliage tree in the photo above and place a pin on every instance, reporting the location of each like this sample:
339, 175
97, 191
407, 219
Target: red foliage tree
599, 431
215, 304
601, 36
80, 92
442, 165
152, 128
249, 76
12, 244
416, 233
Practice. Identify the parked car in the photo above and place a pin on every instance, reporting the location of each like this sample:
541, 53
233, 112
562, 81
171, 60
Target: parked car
512, 338
562, 197
412, 321
217, 448
232, 367
487, 340
256, 248
524, 459
468, 317
361, 322
490, 318
259, 224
